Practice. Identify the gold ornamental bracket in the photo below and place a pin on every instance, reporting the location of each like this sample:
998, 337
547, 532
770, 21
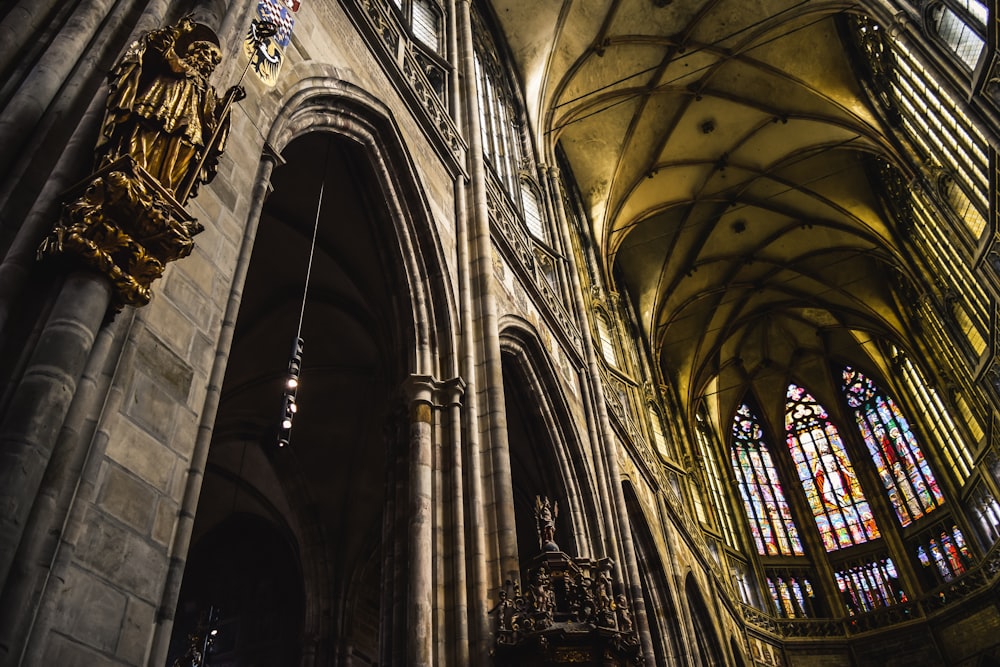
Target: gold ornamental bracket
122, 223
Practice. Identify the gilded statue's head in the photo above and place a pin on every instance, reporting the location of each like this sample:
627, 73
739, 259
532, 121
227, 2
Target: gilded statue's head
203, 56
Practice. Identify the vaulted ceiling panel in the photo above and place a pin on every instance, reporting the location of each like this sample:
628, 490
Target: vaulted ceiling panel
721, 148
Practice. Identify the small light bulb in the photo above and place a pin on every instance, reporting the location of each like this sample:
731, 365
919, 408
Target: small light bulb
286, 424
292, 383
214, 632
293, 407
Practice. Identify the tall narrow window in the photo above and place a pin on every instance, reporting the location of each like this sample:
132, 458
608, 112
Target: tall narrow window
842, 513
960, 24
707, 449
532, 211
945, 552
770, 518
792, 594
986, 510
937, 418
870, 585
427, 24
607, 343
906, 475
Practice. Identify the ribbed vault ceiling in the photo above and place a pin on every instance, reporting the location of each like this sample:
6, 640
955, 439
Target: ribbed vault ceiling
720, 147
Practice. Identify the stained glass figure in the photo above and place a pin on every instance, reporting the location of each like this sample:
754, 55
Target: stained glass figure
868, 586
770, 518
842, 513
905, 474
947, 551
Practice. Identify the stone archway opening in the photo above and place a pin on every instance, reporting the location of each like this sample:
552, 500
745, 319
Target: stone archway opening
334, 491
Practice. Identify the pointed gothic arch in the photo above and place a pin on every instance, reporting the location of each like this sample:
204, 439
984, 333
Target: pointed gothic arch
545, 447
378, 314
662, 615
710, 653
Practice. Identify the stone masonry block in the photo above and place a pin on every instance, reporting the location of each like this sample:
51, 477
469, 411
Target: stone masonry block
159, 362
164, 522
190, 298
127, 499
164, 320
137, 632
133, 448
130, 562
91, 611
65, 653
152, 407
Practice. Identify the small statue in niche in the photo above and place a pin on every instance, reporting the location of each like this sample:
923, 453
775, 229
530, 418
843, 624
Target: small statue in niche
162, 111
505, 610
583, 603
625, 625
602, 587
545, 519
603, 595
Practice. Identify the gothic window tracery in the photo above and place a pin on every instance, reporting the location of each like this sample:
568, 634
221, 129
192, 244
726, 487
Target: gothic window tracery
842, 513
961, 26
937, 417
713, 474
869, 585
424, 19
770, 517
905, 473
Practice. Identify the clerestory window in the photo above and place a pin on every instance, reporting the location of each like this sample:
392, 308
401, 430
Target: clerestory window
961, 26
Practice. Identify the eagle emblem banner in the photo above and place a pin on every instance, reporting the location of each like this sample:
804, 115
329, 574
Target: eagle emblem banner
267, 53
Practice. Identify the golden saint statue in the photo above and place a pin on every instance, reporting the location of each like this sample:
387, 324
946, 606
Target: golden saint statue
163, 112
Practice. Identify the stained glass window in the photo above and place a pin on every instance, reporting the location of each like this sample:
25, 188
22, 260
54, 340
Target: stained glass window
905, 474
868, 586
770, 518
842, 513
793, 595
945, 553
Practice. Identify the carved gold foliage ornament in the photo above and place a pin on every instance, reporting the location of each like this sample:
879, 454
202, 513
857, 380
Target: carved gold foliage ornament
123, 224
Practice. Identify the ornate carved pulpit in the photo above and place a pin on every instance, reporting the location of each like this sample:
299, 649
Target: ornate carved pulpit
568, 613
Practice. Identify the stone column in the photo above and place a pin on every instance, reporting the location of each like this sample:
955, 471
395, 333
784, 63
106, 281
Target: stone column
35, 416
453, 391
606, 457
420, 586
486, 327
44, 529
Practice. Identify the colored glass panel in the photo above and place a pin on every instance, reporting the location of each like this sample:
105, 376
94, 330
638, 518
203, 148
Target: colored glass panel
839, 507
770, 518
905, 474
948, 552
792, 595
869, 586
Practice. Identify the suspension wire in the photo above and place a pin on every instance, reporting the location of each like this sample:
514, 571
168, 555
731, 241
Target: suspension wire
312, 245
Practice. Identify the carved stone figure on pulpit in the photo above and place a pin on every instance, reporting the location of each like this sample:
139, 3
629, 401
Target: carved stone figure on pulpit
545, 519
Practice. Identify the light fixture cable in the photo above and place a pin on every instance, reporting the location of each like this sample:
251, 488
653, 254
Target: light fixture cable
288, 403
